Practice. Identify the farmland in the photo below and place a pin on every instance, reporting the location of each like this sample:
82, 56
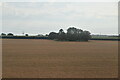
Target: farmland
105, 38
33, 58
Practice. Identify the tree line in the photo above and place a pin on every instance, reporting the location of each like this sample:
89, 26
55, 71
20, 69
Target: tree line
9, 34
73, 34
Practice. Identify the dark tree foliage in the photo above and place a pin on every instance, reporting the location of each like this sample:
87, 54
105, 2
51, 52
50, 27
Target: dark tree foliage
26, 35
85, 36
3, 34
46, 35
53, 35
10, 34
73, 34
61, 35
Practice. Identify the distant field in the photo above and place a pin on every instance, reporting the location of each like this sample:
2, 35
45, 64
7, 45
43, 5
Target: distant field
24, 58
106, 37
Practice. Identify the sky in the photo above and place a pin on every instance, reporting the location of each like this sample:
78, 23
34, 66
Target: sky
44, 17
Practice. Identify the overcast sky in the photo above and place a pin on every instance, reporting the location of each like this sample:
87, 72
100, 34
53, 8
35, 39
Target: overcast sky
44, 17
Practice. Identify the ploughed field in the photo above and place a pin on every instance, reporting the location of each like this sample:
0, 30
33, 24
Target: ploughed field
29, 58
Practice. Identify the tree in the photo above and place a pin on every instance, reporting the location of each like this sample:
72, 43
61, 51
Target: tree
53, 35
3, 34
46, 35
85, 36
71, 30
61, 35
10, 34
61, 31
26, 35
73, 34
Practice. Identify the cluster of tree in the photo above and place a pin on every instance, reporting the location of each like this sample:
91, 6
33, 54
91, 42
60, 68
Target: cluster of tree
9, 34
73, 34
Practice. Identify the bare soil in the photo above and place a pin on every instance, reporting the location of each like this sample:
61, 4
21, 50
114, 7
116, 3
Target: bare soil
29, 58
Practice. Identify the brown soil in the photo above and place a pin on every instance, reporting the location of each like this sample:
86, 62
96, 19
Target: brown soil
24, 58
